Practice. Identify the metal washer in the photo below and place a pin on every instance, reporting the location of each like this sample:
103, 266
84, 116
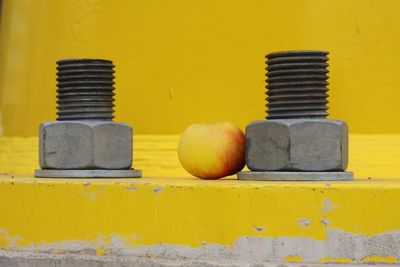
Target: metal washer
49, 173
295, 176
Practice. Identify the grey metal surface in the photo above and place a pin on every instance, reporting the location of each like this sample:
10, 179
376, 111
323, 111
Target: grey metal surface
297, 84
84, 136
85, 89
295, 176
297, 145
85, 145
48, 173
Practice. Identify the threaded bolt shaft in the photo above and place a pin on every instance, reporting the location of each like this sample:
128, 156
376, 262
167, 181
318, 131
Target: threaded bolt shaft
85, 89
297, 84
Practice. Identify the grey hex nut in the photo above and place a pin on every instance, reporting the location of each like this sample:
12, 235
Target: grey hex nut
85, 145
297, 145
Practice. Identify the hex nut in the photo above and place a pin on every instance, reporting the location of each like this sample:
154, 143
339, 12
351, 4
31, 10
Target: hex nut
297, 145
85, 145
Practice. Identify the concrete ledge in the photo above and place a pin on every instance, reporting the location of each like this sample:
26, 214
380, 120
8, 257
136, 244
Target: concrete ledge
185, 221
18, 259
192, 220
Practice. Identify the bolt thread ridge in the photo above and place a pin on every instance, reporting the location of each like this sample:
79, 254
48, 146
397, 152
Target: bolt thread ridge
85, 89
297, 84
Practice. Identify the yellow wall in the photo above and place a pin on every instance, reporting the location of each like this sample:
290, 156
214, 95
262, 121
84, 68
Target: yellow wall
180, 62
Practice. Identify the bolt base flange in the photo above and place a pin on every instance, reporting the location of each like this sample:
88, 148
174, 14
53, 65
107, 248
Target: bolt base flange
51, 173
295, 176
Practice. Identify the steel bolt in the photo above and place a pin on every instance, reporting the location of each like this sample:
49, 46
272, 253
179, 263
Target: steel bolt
85, 89
84, 141
297, 84
296, 135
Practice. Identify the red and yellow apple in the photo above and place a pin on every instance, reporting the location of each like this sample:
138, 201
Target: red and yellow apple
212, 150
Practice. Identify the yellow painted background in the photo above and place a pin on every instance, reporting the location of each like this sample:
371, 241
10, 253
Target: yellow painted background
180, 62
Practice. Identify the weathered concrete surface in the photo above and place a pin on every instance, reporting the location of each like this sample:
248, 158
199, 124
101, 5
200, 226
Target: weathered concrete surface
339, 247
85, 145
191, 219
297, 144
15, 259
295, 176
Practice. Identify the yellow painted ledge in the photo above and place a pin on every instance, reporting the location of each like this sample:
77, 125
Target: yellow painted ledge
375, 156
308, 221
163, 215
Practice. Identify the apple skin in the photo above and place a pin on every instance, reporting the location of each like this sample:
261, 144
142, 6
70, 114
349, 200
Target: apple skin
212, 150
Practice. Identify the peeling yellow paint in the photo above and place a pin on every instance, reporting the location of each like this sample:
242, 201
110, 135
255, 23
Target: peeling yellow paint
58, 251
335, 260
189, 211
3, 242
100, 251
380, 259
293, 258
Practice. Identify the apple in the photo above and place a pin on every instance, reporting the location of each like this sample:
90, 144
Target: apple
212, 150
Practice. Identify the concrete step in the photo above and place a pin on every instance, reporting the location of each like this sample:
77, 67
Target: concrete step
160, 219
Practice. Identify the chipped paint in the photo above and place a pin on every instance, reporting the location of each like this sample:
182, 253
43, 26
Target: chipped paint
259, 228
58, 251
293, 258
189, 218
338, 247
157, 189
303, 222
90, 195
131, 187
325, 221
335, 260
380, 259
328, 205
100, 251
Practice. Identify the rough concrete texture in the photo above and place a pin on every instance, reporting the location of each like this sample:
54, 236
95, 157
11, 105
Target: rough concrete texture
297, 144
295, 176
12, 259
85, 145
339, 247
